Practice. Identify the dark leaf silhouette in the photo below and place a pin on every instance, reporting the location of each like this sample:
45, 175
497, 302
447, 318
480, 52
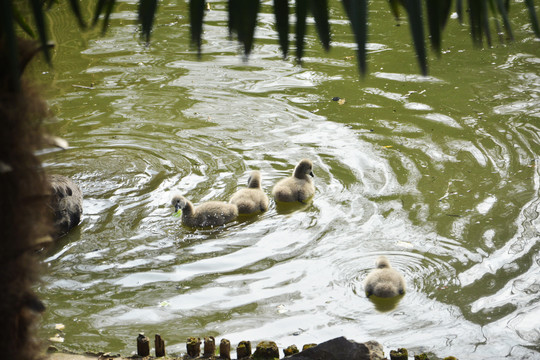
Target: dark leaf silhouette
301, 14
438, 12
23, 23
533, 18
75, 8
196, 15
39, 18
319, 9
281, 11
414, 12
147, 11
357, 13
103, 7
243, 20
243, 15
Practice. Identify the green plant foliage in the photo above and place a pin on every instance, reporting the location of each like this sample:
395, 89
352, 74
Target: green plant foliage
281, 11
532, 14
416, 23
319, 9
301, 14
196, 15
39, 18
357, 13
21, 21
438, 12
243, 21
147, 12
104, 7
75, 8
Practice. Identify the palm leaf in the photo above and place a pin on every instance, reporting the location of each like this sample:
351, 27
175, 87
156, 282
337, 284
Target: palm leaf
108, 11
50, 3
475, 18
99, 9
485, 21
438, 12
243, 21
357, 13
37, 10
394, 7
22, 23
234, 11
301, 14
432, 7
147, 11
414, 12
533, 18
281, 11
196, 15
444, 12
247, 23
504, 14
106, 7
319, 9
75, 8
459, 10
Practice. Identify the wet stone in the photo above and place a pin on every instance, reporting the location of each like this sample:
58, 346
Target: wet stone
399, 354
338, 349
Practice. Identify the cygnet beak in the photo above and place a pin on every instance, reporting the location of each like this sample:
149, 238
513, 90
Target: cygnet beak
311, 173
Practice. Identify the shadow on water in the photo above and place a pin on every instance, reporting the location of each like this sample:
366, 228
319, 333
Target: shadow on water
285, 208
385, 304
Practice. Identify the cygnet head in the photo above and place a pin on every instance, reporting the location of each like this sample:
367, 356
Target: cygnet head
382, 262
179, 202
304, 167
254, 181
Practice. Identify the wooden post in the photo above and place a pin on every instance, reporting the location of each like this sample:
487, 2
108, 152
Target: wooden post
193, 346
291, 350
209, 346
307, 346
266, 350
143, 345
399, 354
243, 350
225, 349
160, 346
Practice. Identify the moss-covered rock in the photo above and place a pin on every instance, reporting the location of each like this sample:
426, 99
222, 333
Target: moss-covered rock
266, 350
307, 346
421, 356
399, 354
193, 345
290, 350
243, 350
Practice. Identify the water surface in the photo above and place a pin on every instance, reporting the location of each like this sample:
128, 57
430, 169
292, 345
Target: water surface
438, 173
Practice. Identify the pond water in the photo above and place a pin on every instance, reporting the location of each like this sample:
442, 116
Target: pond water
438, 173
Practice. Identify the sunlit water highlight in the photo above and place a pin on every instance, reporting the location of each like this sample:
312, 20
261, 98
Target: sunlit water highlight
437, 173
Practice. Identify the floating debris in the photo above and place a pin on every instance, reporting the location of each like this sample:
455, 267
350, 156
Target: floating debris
57, 338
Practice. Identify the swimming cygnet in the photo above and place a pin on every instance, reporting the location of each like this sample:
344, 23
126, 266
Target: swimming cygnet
298, 187
384, 281
208, 214
252, 199
66, 203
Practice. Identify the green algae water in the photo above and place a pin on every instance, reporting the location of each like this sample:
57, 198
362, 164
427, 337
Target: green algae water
439, 173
